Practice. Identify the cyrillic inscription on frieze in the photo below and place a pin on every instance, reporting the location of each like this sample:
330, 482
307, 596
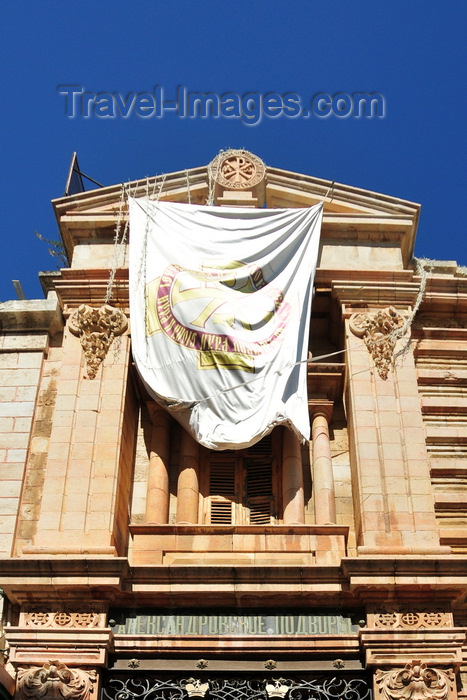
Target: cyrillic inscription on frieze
201, 624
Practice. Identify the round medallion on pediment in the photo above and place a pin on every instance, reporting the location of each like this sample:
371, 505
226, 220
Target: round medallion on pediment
237, 169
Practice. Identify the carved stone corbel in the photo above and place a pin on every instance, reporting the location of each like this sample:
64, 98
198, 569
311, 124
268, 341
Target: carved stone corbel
378, 331
416, 681
96, 329
55, 681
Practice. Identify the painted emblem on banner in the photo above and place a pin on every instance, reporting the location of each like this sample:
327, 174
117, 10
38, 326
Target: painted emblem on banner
227, 314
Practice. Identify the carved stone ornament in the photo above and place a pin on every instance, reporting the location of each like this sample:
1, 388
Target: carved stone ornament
62, 619
416, 681
378, 331
96, 329
237, 169
412, 619
55, 681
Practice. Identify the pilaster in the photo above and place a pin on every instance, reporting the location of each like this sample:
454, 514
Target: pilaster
90, 450
413, 651
392, 489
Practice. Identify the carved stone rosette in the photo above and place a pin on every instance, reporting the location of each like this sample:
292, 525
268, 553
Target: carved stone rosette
55, 681
96, 329
378, 331
237, 169
416, 681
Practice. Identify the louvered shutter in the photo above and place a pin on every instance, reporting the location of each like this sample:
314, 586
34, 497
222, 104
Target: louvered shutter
259, 481
222, 484
241, 485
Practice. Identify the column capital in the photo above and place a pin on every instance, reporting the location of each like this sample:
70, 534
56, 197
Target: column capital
416, 679
320, 407
55, 679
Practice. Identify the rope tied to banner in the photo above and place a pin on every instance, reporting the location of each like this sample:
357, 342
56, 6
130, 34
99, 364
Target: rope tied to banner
423, 267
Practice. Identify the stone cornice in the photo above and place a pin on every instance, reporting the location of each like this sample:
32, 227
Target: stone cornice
342, 195
31, 316
350, 213
149, 528
440, 646
76, 287
85, 646
24, 578
360, 579
360, 288
423, 578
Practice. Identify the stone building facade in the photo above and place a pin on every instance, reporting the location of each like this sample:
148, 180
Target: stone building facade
135, 563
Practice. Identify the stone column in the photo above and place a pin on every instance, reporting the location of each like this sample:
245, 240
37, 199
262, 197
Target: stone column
188, 481
292, 480
323, 480
157, 501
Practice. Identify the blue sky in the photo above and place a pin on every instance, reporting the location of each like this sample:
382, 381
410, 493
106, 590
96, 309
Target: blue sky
412, 53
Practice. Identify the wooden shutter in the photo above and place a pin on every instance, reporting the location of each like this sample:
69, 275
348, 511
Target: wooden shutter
259, 481
222, 483
242, 486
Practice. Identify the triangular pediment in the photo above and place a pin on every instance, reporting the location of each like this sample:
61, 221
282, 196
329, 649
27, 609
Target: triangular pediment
349, 212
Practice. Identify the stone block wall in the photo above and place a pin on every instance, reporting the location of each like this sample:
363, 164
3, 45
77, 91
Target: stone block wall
26, 330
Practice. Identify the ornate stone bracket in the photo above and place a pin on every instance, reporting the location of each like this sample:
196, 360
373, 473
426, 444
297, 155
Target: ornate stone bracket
379, 333
96, 329
55, 680
416, 681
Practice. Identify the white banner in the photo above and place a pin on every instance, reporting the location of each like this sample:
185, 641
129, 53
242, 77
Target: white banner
220, 301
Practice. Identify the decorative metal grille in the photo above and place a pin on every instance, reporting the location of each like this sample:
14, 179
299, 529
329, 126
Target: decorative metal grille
141, 687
